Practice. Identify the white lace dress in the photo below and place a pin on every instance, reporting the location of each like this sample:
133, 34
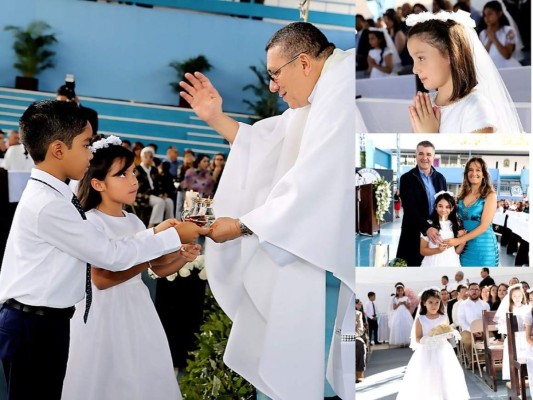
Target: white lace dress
400, 323
448, 258
122, 352
472, 113
433, 372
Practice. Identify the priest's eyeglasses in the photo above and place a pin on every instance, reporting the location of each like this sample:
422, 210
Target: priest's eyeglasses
274, 76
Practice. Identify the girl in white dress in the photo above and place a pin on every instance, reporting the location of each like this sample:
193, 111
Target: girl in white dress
500, 39
515, 302
433, 372
469, 94
400, 319
122, 352
528, 322
444, 218
383, 57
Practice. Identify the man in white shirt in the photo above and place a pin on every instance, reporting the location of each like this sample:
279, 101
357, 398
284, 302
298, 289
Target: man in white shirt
462, 295
470, 310
16, 158
444, 282
270, 281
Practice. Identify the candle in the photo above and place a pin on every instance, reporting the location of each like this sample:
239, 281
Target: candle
378, 258
190, 195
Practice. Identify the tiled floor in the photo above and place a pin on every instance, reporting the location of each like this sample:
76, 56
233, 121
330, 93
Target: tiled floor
385, 371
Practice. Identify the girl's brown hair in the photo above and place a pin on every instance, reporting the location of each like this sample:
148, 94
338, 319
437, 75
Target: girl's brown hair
451, 39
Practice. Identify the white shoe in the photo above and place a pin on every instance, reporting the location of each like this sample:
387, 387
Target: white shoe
372, 343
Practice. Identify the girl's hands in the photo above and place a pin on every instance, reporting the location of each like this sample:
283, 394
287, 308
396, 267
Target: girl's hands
189, 252
424, 117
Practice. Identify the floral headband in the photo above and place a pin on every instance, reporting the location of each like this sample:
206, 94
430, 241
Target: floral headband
105, 142
442, 192
461, 17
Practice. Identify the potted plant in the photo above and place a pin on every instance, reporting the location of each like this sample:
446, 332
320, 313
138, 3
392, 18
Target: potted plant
267, 104
199, 63
32, 51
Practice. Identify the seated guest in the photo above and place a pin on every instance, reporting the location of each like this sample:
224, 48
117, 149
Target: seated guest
147, 194
470, 310
360, 347
200, 178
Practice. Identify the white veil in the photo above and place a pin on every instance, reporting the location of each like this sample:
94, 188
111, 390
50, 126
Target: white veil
519, 45
396, 61
503, 309
490, 84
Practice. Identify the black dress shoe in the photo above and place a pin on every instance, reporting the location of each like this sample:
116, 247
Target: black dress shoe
379, 343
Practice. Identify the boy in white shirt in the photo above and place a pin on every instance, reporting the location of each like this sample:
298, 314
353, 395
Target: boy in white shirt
50, 247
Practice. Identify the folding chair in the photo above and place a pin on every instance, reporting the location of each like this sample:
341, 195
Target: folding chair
516, 389
493, 350
478, 346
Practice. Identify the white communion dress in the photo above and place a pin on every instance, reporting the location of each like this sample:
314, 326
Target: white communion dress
469, 114
122, 352
433, 372
400, 323
448, 258
505, 36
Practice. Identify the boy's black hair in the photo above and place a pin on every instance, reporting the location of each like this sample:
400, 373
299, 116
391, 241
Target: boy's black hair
99, 167
46, 121
371, 294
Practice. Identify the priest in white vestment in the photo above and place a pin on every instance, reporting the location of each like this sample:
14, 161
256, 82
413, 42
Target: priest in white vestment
287, 201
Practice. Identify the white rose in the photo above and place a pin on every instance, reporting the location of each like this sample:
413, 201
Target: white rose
184, 272
172, 277
203, 274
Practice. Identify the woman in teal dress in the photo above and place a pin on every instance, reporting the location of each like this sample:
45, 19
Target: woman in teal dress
476, 208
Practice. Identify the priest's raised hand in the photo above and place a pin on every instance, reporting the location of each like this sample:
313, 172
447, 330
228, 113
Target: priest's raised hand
206, 102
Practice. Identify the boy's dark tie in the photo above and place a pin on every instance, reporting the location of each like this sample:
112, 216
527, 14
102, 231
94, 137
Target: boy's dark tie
88, 288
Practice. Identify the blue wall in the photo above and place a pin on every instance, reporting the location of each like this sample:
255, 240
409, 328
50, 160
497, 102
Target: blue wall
122, 52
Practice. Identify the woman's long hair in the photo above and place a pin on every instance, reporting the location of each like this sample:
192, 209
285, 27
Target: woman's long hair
486, 186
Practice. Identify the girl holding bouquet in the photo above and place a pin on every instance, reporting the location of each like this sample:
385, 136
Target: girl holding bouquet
433, 373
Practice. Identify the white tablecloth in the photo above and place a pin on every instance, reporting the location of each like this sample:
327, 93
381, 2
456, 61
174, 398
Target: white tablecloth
517, 80
518, 222
383, 328
499, 219
391, 115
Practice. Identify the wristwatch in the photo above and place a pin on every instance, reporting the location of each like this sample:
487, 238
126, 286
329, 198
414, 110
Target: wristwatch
245, 231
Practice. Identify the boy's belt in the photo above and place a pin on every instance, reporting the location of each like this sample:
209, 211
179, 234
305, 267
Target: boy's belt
39, 310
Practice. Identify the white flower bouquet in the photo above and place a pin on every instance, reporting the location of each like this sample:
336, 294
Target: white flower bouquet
186, 270
383, 197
